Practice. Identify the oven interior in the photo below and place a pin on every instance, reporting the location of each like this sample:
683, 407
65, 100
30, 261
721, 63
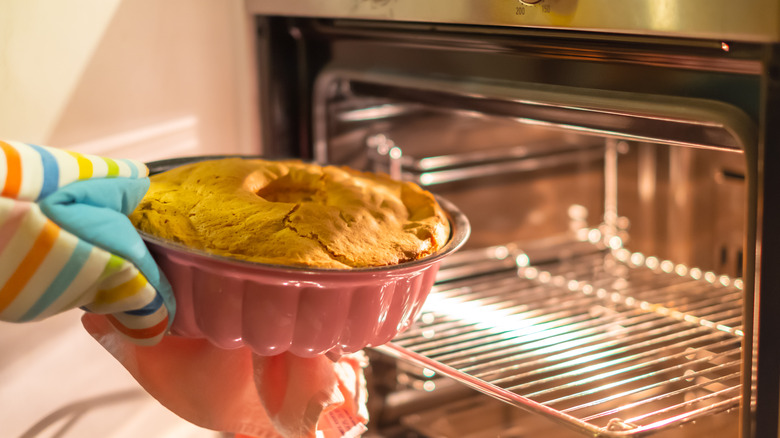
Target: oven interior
611, 186
602, 284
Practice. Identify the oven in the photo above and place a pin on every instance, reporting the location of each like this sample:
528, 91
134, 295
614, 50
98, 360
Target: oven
615, 160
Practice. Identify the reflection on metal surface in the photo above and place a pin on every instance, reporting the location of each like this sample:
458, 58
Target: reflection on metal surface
668, 120
665, 14
443, 169
375, 112
608, 342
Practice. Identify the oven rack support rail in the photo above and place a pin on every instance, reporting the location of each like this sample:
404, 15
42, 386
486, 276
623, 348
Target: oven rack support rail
607, 342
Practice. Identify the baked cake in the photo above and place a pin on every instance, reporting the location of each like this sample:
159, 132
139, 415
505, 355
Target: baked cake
292, 213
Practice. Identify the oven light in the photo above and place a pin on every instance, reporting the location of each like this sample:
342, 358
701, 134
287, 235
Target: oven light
652, 262
501, 252
427, 179
725, 47
578, 213
530, 273
594, 235
615, 242
637, 258
429, 385
522, 260
428, 372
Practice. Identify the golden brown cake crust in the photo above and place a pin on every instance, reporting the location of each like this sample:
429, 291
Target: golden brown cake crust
292, 213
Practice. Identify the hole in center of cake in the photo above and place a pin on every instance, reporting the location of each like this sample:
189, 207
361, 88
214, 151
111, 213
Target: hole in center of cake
286, 190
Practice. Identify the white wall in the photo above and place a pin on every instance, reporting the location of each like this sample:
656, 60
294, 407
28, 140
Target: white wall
142, 79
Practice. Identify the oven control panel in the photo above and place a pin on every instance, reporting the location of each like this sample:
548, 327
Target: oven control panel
555, 13
720, 20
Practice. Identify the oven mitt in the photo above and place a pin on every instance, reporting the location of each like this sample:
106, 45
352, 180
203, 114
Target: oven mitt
66, 241
236, 391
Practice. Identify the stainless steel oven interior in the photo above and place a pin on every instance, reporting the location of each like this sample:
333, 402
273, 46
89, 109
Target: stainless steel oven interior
616, 191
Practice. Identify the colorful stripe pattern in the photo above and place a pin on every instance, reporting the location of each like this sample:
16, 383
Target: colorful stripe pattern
45, 269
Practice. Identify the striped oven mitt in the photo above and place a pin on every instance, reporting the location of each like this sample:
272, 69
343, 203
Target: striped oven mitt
66, 241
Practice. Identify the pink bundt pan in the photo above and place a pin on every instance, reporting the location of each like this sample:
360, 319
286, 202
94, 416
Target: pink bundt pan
273, 309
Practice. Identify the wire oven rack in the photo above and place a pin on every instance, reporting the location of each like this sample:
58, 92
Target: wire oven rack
608, 342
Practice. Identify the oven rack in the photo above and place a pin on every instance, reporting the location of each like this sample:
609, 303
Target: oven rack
608, 342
